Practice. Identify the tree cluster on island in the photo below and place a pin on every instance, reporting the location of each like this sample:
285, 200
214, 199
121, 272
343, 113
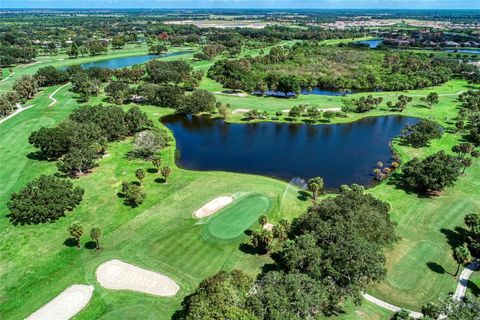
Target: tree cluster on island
308, 65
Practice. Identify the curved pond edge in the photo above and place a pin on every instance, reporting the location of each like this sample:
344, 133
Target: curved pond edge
394, 146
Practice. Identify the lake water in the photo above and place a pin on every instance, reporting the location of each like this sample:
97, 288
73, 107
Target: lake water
373, 43
116, 63
467, 51
340, 153
316, 90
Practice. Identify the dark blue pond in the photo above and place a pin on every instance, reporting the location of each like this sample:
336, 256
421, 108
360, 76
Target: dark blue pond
340, 153
373, 43
467, 51
116, 63
316, 90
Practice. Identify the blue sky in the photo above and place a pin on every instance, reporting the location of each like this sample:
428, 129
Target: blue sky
363, 4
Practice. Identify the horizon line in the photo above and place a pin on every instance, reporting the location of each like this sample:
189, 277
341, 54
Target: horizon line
244, 8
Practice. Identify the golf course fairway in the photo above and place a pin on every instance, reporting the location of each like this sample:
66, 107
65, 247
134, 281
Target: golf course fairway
231, 222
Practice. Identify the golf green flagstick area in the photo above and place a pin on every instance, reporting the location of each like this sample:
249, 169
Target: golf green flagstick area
232, 221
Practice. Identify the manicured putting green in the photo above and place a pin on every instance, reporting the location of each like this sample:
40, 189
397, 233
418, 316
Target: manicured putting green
231, 222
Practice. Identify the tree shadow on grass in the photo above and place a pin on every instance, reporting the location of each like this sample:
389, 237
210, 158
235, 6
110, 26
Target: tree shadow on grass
91, 245
39, 156
160, 180
152, 170
473, 287
303, 195
455, 237
70, 242
435, 267
396, 179
247, 248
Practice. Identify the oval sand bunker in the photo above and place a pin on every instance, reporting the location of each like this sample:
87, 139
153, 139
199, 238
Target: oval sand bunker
213, 206
118, 275
66, 305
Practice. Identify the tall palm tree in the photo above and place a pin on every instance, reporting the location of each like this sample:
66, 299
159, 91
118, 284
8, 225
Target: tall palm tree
315, 185
166, 172
263, 220
140, 174
96, 234
157, 163
461, 255
76, 232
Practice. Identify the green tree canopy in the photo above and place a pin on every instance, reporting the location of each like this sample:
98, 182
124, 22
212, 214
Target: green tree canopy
44, 199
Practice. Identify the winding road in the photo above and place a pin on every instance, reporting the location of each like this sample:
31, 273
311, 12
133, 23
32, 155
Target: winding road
54, 101
458, 295
17, 111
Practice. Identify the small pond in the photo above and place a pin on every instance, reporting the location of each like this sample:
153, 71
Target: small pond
340, 153
467, 51
372, 43
315, 90
116, 63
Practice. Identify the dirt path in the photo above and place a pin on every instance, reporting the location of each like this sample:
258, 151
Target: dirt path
388, 306
458, 295
5, 79
463, 280
19, 109
54, 101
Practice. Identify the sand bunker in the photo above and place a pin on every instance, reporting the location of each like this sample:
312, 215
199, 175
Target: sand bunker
268, 226
237, 111
213, 206
66, 305
118, 275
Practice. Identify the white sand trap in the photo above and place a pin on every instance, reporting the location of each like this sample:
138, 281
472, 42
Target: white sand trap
237, 111
118, 275
213, 206
66, 305
268, 226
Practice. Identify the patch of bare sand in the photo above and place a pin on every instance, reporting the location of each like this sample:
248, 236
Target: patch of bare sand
66, 305
118, 275
213, 206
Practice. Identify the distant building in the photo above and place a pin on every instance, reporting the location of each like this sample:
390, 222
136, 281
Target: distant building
452, 44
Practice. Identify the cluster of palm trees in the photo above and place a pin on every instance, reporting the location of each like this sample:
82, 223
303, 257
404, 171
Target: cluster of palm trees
76, 232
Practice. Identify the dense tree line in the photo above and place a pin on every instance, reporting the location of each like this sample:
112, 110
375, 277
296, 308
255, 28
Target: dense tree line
79, 140
310, 65
333, 253
470, 115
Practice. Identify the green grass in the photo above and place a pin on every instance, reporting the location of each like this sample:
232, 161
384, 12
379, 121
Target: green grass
161, 234
62, 60
231, 222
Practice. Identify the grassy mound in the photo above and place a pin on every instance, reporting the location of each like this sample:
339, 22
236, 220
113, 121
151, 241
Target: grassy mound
231, 222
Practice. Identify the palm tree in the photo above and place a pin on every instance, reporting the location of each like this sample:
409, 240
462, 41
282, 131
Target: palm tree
96, 234
166, 172
140, 174
76, 232
157, 163
315, 185
263, 220
466, 162
262, 240
461, 255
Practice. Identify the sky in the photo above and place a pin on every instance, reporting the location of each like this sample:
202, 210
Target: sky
293, 4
